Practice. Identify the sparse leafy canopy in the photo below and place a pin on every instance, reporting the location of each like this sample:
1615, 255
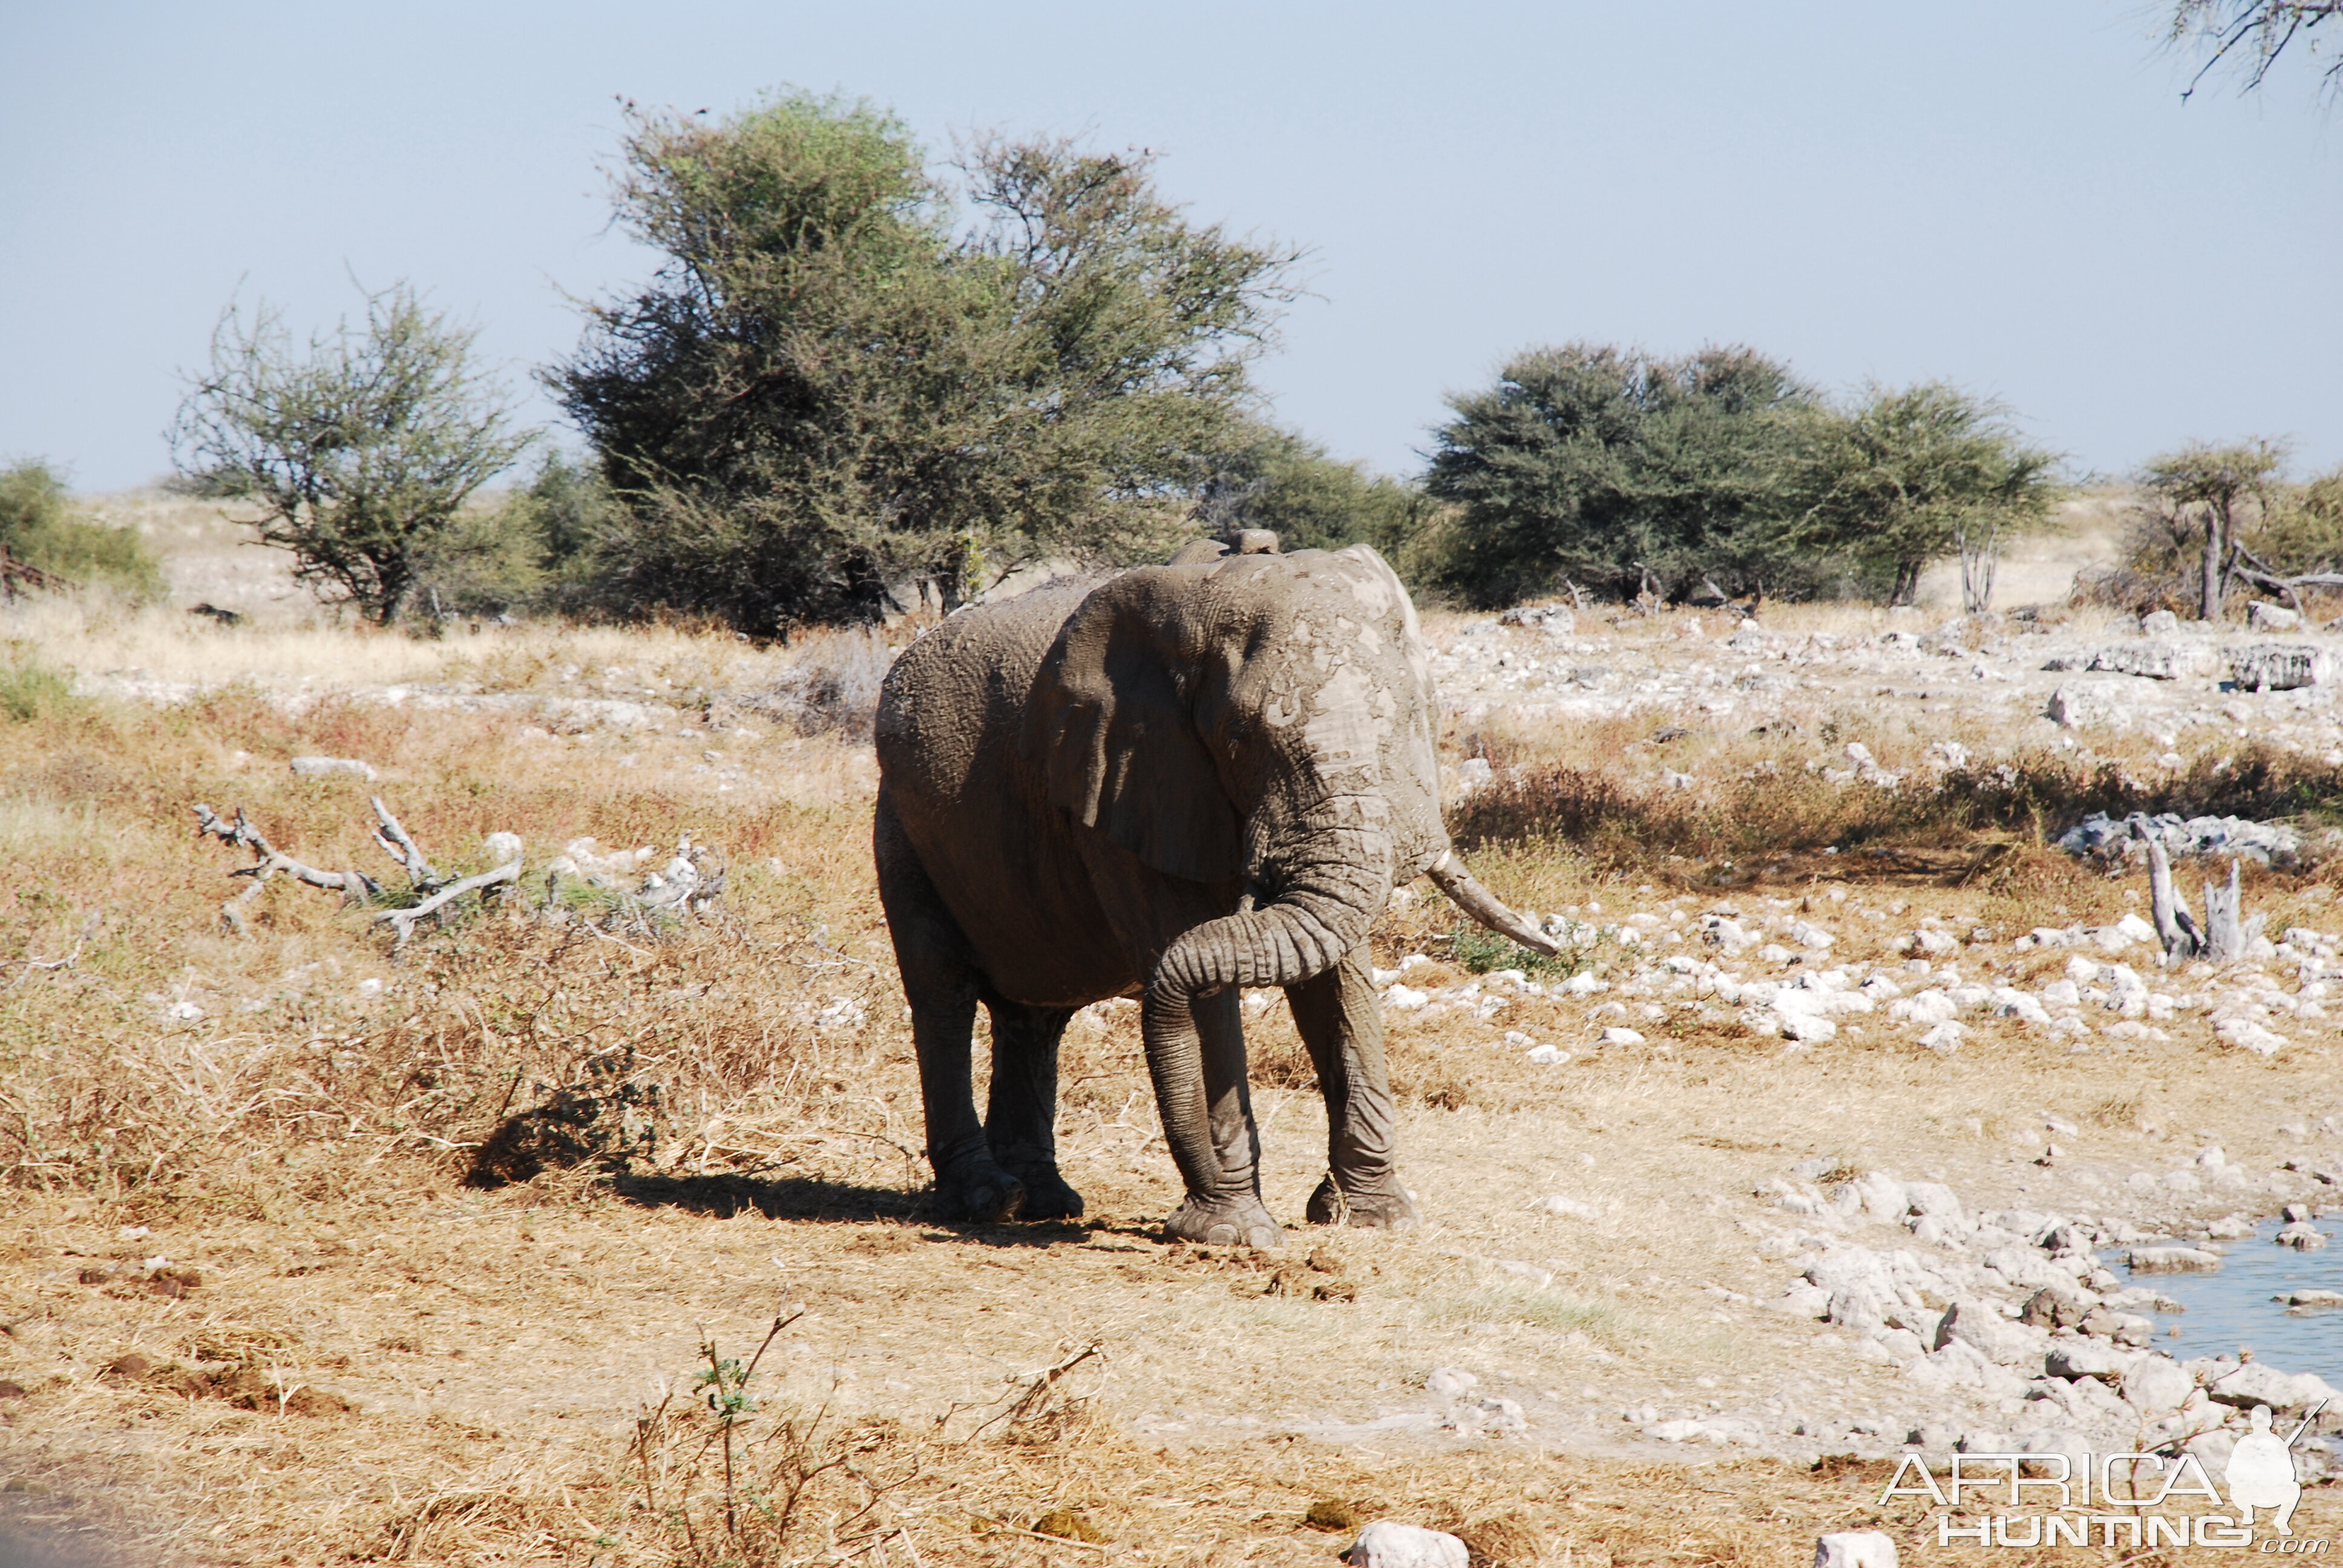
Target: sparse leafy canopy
827, 388
359, 451
2251, 35
2210, 494
1912, 474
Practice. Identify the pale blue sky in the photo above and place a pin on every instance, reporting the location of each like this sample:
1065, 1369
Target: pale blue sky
2004, 192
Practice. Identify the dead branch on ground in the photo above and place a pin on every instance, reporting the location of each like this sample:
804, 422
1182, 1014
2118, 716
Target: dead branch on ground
396, 843
356, 887
688, 884
16, 573
402, 921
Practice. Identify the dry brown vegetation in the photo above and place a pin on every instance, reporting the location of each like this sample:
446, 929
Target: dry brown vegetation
314, 1255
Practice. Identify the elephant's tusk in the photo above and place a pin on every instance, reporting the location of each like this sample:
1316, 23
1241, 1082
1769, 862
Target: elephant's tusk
1479, 903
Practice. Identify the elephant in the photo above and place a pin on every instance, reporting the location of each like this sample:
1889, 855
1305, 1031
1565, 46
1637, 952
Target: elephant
1169, 784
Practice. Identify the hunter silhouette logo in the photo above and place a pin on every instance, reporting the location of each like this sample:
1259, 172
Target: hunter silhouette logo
2261, 1471
2099, 1498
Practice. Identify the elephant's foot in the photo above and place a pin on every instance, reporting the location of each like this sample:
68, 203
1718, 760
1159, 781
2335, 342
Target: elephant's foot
1232, 1221
986, 1196
1047, 1195
1381, 1208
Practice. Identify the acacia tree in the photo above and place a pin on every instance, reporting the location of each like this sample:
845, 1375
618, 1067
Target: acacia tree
1612, 468
1910, 476
2251, 35
830, 386
1311, 499
359, 451
2202, 490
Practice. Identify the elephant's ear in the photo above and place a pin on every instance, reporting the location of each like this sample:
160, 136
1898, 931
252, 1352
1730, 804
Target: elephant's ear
1113, 727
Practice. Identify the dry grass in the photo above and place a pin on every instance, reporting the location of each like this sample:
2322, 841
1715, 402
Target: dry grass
1755, 801
158, 645
386, 1355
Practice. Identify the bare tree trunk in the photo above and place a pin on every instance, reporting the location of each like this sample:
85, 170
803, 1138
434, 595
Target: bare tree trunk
2209, 607
1648, 598
1907, 583
2173, 926
2226, 932
1979, 559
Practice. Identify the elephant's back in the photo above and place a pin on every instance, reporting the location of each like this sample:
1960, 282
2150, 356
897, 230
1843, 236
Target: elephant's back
959, 693
977, 813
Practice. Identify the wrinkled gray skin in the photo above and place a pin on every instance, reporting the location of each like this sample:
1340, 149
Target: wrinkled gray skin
1178, 782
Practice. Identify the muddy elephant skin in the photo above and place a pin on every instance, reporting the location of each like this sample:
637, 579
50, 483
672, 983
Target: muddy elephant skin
1169, 784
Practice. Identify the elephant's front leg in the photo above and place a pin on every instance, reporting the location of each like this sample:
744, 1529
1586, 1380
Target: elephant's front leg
1343, 1024
1223, 1206
1022, 1109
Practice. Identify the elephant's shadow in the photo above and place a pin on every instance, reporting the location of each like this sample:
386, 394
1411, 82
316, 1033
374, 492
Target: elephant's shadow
822, 1201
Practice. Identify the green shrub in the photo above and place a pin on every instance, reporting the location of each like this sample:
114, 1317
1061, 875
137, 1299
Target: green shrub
1619, 471
39, 526
554, 546
1613, 470
1312, 500
2303, 531
1482, 951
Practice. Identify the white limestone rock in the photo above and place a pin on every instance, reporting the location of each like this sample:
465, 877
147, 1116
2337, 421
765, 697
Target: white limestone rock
1854, 1549
2156, 661
1387, 1543
331, 768
2280, 666
2078, 706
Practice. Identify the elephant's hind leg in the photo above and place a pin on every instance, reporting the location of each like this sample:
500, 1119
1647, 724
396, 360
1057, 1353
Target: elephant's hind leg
1021, 1111
940, 980
1343, 1024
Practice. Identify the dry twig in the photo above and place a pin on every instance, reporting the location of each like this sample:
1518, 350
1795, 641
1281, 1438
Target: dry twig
13, 572
356, 887
402, 921
395, 842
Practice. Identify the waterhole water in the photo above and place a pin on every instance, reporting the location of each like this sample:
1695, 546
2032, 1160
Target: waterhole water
2232, 1307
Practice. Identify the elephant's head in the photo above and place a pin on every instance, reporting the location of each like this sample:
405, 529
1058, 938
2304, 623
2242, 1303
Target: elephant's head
1261, 719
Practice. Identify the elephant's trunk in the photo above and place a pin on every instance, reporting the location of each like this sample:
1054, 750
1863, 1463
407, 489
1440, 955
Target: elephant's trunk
1479, 903
1322, 911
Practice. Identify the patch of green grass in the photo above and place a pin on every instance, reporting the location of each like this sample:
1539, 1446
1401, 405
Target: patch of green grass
1482, 950
29, 689
1503, 1301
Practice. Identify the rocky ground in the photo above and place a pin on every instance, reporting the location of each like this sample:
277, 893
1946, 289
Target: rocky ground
2008, 1329
1844, 1157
